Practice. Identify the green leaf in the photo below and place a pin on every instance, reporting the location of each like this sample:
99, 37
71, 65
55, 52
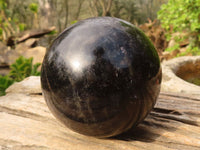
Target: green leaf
22, 26
23, 68
5, 82
35, 68
33, 7
181, 16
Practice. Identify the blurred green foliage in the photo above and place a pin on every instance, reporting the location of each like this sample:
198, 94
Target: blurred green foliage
182, 16
175, 47
5, 82
21, 69
33, 7
20, 15
8, 25
13, 18
194, 81
22, 26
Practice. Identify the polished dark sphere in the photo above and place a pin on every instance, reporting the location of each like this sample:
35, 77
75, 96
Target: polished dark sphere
101, 76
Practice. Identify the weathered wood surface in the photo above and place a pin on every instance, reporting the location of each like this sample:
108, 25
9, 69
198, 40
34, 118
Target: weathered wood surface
27, 124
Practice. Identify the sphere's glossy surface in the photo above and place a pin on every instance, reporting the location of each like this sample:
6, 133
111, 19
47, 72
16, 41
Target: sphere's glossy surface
101, 76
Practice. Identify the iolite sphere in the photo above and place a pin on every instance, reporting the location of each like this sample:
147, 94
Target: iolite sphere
101, 76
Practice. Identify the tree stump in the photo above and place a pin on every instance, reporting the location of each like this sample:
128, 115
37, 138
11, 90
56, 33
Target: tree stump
27, 124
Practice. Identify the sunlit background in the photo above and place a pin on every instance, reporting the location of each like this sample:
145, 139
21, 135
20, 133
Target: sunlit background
21, 15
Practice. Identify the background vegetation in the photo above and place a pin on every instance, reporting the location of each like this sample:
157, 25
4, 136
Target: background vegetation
21, 69
183, 18
19, 15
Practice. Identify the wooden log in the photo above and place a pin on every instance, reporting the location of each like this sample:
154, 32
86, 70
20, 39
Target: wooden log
35, 34
27, 35
27, 124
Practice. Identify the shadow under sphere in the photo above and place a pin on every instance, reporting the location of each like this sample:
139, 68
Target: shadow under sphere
101, 76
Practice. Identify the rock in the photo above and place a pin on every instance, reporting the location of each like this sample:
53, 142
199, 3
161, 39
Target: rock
29, 85
32, 42
22, 47
27, 124
3, 50
171, 69
10, 57
171, 43
37, 53
3, 47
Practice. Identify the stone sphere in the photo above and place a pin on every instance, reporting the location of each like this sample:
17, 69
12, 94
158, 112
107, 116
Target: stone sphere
101, 76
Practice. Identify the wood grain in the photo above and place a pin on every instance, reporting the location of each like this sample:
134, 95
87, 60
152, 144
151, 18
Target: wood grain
27, 124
